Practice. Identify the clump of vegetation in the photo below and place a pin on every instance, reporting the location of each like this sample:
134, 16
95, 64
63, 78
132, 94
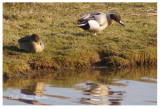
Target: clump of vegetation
69, 47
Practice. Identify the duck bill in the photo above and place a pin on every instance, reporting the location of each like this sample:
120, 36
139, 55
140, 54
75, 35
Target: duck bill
121, 23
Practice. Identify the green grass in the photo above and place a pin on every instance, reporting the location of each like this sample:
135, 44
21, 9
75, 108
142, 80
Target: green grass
70, 47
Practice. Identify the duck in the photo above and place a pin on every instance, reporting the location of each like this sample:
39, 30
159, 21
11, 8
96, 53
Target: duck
31, 43
97, 21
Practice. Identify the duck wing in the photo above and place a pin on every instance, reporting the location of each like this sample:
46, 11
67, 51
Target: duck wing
89, 16
25, 39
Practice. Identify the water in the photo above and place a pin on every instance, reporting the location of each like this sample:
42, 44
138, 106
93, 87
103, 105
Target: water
88, 87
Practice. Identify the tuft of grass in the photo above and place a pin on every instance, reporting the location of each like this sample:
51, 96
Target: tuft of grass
70, 47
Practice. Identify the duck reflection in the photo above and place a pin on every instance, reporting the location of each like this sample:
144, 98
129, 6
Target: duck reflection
34, 89
99, 94
96, 90
37, 89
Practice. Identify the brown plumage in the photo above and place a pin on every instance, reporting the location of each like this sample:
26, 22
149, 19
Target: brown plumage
31, 43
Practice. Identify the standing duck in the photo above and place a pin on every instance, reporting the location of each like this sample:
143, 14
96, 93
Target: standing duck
97, 21
31, 43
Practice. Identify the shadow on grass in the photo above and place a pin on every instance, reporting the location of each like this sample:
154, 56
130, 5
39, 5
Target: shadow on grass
12, 48
79, 34
103, 61
75, 34
52, 34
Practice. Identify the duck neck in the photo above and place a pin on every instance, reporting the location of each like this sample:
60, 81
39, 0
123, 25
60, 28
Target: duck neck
109, 19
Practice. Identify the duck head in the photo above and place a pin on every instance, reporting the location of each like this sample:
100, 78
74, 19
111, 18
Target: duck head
35, 37
117, 18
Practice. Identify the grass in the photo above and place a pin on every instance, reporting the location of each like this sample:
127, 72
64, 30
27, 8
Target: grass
70, 47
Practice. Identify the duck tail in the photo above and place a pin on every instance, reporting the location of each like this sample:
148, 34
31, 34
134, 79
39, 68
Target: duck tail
84, 26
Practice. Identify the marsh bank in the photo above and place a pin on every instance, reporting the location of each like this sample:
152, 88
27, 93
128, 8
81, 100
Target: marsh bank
69, 47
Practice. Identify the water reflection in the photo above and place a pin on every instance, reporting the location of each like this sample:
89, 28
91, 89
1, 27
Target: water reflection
34, 89
93, 87
33, 102
37, 89
96, 90
101, 95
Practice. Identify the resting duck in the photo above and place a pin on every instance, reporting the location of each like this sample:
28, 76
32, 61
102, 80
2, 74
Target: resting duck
31, 43
97, 21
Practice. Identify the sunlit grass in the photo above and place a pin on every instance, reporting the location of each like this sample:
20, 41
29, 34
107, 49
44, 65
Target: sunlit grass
67, 46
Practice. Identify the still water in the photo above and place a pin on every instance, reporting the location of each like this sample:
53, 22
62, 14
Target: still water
136, 86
